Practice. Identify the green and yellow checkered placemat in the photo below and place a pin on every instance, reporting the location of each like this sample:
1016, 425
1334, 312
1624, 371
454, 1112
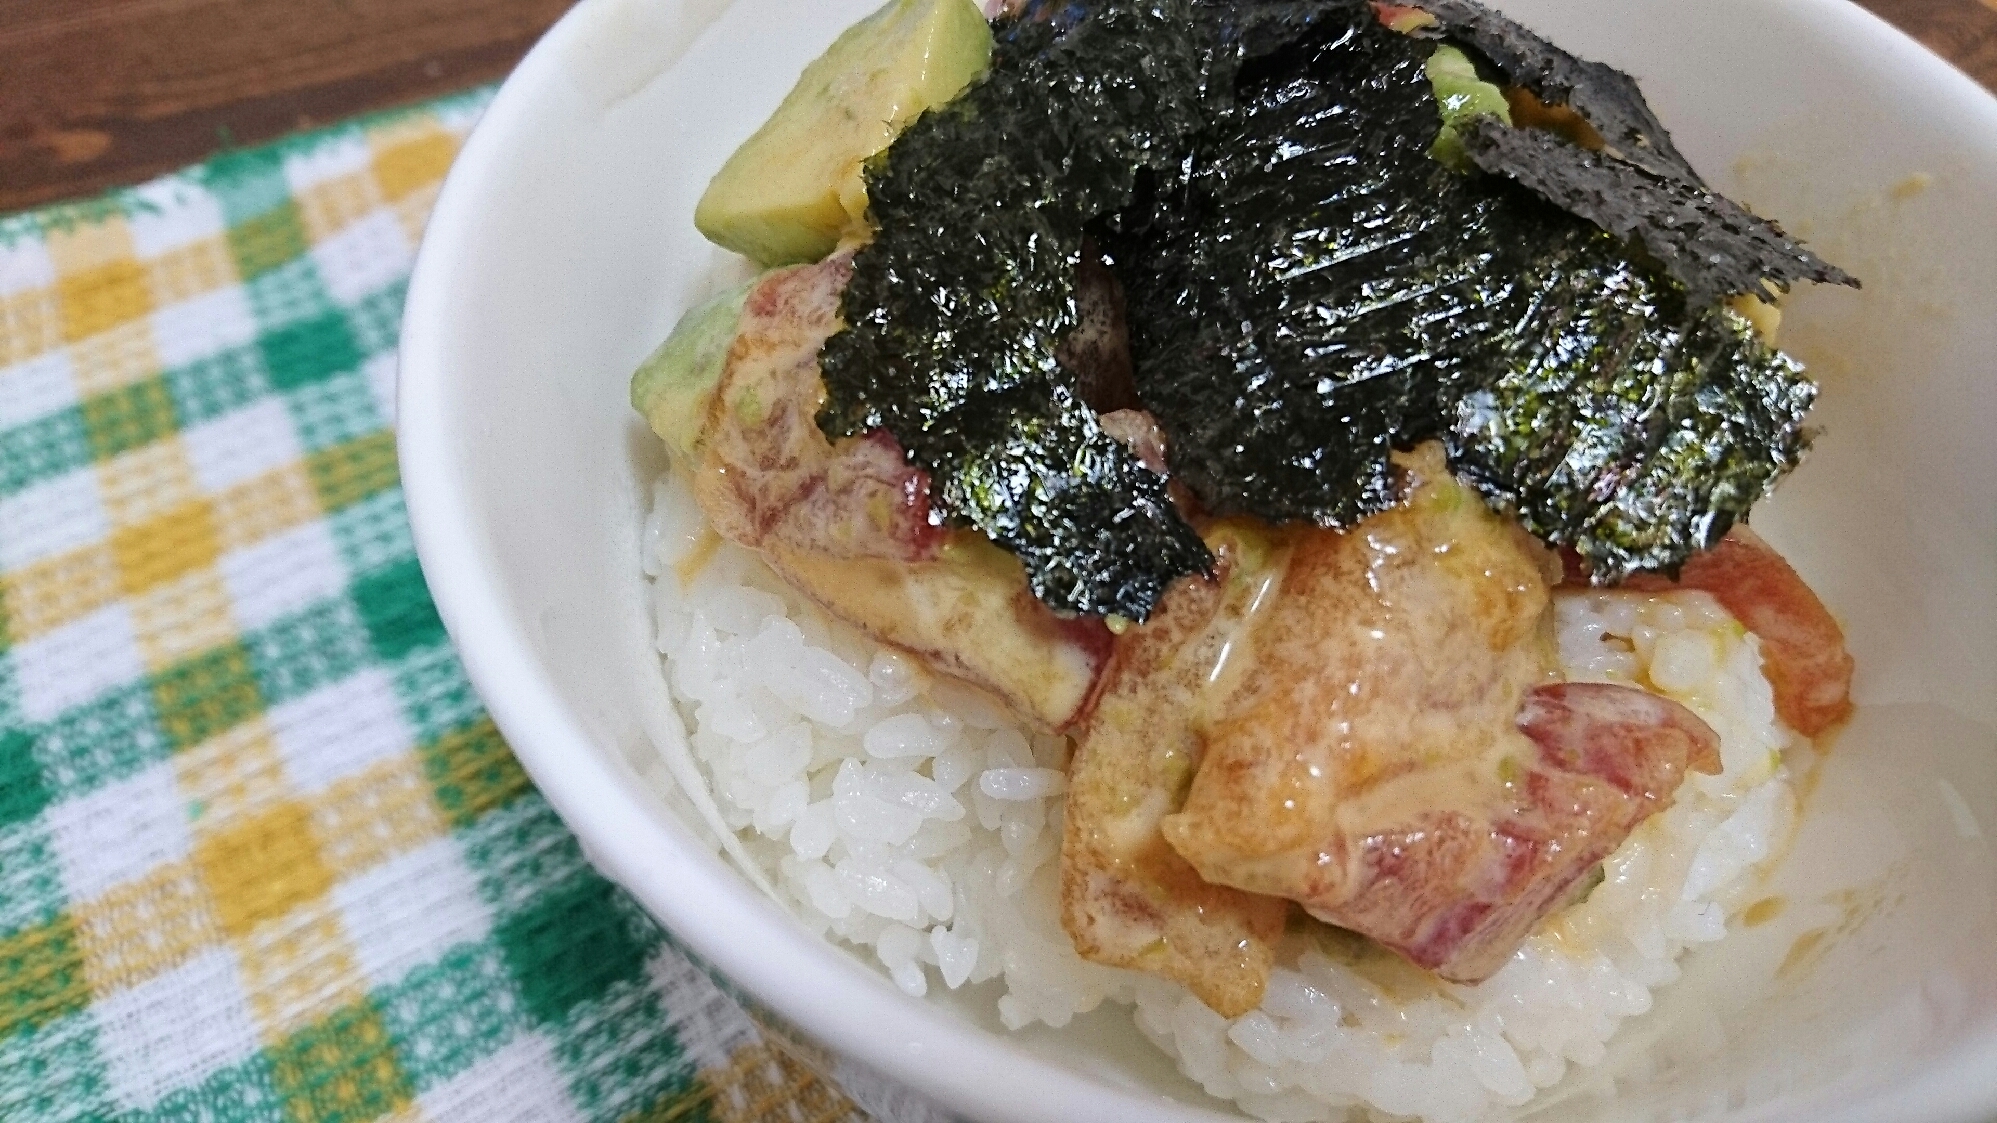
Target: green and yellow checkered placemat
262, 854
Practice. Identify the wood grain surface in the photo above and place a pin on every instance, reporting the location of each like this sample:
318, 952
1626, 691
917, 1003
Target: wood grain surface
99, 93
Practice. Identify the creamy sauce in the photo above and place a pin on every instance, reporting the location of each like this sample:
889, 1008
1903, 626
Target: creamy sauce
1386, 689
1856, 906
696, 559
1384, 737
965, 617
1129, 899
1393, 977
1763, 911
1250, 588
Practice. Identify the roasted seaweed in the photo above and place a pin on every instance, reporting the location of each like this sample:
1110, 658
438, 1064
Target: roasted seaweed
1711, 244
1637, 441
958, 306
1307, 290
1318, 290
1638, 186
1279, 379
1606, 97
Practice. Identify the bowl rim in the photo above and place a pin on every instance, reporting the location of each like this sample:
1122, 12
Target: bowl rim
831, 995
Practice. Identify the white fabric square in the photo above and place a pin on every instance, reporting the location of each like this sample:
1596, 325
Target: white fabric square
520, 1083
707, 1023
338, 730
120, 832
282, 574
36, 388
404, 912
317, 163
50, 518
366, 257
171, 213
206, 325
76, 662
25, 265
380, 373
174, 1030
242, 444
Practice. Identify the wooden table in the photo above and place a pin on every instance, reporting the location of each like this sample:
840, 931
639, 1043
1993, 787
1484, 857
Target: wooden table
98, 93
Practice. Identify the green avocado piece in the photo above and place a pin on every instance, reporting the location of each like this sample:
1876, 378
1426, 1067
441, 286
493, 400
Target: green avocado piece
1463, 97
795, 187
673, 386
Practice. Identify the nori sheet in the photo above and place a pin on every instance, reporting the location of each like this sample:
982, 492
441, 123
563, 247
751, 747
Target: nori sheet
1640, 187
1307, 290
1317, 291
1711, 244
957, 307
1605, 97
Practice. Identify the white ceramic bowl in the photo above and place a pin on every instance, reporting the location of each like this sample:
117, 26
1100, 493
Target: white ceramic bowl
563, 250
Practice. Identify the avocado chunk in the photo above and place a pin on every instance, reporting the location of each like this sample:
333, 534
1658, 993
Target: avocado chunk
1463, 97
672, 388
794, 188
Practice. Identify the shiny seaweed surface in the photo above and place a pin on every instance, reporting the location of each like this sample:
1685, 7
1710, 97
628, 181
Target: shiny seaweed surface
1307, 291
1712, 245
1638, 185
957, 307
1606, 97
1319, 291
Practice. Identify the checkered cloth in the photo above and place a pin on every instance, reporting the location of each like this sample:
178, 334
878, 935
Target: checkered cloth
262, 854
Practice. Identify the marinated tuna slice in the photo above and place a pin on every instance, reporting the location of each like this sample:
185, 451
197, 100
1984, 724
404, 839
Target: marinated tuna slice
1456, 894
850, 524
1802, 647
1127, 898
968, 613
769, 475
1139, 433
1392, 750
1097, 351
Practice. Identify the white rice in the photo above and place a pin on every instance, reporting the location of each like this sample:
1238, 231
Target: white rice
906, 814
